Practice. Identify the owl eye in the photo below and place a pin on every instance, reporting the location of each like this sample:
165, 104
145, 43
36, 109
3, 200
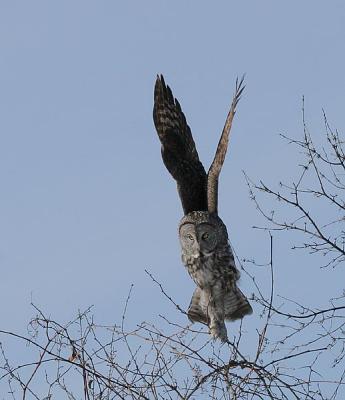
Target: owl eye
190, 237
205, 236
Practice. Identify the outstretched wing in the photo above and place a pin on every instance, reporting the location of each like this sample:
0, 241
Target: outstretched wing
178, 149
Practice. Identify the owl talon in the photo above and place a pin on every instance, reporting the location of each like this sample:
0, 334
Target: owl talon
218, 331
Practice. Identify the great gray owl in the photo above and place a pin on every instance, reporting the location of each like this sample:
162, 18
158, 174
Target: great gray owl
206, 252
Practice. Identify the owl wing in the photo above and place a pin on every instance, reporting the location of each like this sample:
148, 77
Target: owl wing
178, 149
197, 310
236, 305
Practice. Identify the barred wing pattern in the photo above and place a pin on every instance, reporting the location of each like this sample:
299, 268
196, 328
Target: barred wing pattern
178, 149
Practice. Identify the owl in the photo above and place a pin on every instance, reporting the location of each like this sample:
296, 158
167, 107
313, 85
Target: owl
206, 252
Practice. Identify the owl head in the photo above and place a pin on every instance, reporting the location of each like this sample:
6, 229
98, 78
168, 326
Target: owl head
201, 233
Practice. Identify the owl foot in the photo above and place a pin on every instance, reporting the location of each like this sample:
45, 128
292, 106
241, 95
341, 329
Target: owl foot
218, 331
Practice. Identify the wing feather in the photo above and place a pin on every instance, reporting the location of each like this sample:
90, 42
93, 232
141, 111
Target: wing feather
178, 149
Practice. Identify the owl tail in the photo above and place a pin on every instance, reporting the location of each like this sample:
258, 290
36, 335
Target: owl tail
236, 306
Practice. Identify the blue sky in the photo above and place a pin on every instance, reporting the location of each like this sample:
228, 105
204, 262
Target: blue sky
86, 203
